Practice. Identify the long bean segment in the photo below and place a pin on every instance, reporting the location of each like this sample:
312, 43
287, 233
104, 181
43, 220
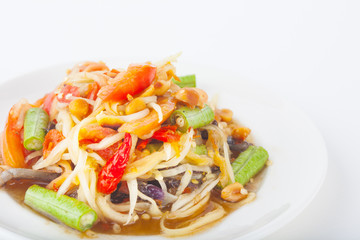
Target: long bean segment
186, 117
35, 125
68, 210
249, 163
186, 81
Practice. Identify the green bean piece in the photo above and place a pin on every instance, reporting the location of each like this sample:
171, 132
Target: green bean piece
200, 150
186, 81
70, 211
249, 163
153, 147
35, 125
186, 117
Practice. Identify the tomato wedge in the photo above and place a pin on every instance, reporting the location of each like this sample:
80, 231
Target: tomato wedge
12, 149
134, 80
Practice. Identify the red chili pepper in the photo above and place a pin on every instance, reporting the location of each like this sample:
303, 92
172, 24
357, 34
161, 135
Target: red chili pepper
167, 134
111, 174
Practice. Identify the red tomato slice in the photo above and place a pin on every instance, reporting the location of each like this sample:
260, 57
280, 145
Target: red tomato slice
12, 148
134, 80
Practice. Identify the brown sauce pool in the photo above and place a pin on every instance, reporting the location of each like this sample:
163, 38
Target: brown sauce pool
17, 188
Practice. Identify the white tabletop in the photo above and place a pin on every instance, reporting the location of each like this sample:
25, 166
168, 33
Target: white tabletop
306, 51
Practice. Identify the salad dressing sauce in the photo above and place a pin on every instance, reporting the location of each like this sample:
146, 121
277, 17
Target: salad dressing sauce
17, 188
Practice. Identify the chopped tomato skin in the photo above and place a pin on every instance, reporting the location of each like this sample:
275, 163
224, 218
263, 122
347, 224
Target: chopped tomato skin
68, 90
108, 152
94, 133
52, 138
49, 98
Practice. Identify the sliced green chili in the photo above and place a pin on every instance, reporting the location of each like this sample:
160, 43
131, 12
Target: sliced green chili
35, 125
249, 163
186, 81
200, 150
186, 117
72, 212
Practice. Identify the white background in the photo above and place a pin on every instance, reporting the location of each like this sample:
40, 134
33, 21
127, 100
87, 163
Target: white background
306, 51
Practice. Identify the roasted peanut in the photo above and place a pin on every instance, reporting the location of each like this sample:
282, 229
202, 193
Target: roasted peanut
225, 114
161, 87
192, 96
136, 105
148, 92
110, 121
234, 192
240, 133
79, 108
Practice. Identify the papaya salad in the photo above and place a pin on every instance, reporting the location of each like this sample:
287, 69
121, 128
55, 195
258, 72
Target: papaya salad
110, 148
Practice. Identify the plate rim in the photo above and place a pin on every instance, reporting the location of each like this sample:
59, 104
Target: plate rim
263, 231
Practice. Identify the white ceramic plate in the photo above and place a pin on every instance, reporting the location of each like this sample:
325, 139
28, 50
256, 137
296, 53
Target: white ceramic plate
294, 144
